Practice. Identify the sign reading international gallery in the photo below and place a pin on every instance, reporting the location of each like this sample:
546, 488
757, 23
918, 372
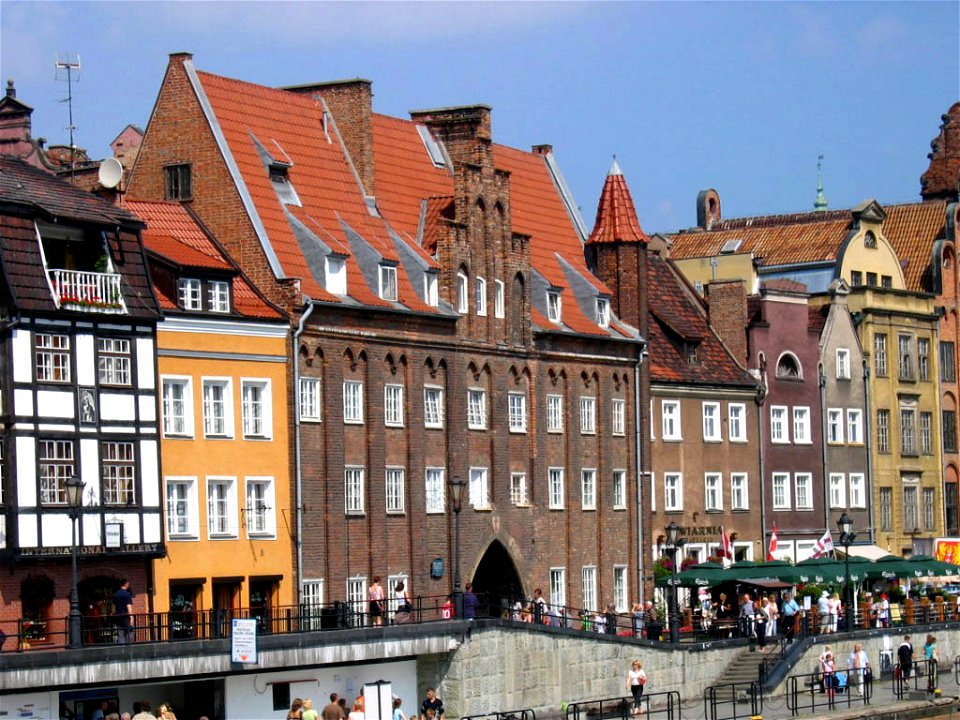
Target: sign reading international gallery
243, 641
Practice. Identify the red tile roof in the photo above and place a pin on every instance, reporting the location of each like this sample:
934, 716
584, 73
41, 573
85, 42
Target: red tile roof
616, 215
174, 234
912, 229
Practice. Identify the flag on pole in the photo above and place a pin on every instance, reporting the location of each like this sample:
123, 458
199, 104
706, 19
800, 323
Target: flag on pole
773, 544
824, 545
726, 548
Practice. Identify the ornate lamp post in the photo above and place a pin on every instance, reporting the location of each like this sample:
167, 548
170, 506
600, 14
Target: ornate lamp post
847, 536
673, 611
457, 485
74, 502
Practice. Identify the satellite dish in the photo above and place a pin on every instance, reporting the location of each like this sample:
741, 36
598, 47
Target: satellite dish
111, 173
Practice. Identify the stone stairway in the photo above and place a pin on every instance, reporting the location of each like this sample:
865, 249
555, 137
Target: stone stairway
743, 669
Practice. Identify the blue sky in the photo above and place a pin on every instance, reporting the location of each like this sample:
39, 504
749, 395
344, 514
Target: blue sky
738, 96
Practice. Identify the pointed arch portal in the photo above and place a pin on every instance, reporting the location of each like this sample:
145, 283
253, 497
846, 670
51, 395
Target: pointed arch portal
497, 580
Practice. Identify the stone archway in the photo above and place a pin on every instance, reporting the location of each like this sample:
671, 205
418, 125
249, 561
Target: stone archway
496, 579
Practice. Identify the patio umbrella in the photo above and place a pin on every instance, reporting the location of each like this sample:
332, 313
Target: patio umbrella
815, 570
703, 574
774, 569
889, 567
926, 565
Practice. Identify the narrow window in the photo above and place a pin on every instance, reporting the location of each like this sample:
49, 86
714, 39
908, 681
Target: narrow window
433, 407
218, 296
555, 413
462, 302
395, 490
518, 489
517, 410
479, 489
883, 431
56, 467
711, 421
781, 491
498, 298
119, 473
189, 294
477, 409
310, 399
256, 410
618, 409
555, 486
481, 296
217, 408
435, 489
336, 276
739, 498
588, 416
670, 416
619, 489
553, 306
672, 491
588, 489
353, 490
353, 402
388, 283
603, 312
178, 182
843, 364
880, 355
713, 491
221, 507
737, 422
260, 507
393, 405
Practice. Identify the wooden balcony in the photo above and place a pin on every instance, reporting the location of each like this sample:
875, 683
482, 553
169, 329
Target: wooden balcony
85, 291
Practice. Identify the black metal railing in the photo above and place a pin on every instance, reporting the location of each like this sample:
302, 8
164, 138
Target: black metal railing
525, 714
920, 675
771, 658
812, 691
732, 701
655, 706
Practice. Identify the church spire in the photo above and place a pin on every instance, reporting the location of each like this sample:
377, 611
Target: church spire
616, 216
820, 204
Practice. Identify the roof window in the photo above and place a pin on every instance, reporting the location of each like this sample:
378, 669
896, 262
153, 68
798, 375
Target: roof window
730, 246
336, 275
388, 282
432, 146
603, 312
554, 306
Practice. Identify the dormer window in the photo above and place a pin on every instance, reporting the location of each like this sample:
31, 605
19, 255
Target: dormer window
603, 312
553, 306
218, 296
692, 352
336, 275
462, 302
279, 173
388, 282
189, 294
430, 293
481, 296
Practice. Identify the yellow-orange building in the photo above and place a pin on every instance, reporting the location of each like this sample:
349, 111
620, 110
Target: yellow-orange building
222, 354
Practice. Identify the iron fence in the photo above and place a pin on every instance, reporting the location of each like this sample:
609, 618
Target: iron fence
919, 675
812, 691
732, 701
655, 706
525, 714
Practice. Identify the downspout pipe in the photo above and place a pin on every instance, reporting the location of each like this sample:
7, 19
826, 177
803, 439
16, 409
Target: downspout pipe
822, 382
867, 430
297, 461
638, 423
761, 399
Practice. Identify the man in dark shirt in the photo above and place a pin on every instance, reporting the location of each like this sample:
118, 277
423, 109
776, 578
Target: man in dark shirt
905, 658
123, 609
432, 703
470, 602
332, 711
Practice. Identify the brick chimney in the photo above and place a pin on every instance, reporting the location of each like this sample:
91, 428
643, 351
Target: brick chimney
465, 131
351, 104
15, 125
727, 305
708, 208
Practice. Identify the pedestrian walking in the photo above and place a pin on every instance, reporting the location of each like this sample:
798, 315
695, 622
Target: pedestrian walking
931, 653
636, 679
123, 611
904, 661
858, 668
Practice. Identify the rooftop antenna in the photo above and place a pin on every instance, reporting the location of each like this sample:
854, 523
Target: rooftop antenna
67, 65
820, 204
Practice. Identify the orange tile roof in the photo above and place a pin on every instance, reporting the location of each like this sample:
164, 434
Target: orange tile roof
616, 215
173, 233
912, 229
290, 127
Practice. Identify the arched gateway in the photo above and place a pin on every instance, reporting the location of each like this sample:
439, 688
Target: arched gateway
496, 580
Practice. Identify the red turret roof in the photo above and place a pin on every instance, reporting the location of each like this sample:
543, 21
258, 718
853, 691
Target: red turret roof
616, 216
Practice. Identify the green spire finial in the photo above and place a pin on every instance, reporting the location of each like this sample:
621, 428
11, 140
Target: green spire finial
820, 204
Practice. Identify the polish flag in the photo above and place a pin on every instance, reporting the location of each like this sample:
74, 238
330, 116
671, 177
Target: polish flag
773, 544
824, 545
726, 548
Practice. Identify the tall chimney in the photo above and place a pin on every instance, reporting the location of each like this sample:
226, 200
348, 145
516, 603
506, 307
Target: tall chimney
727, 304
15, 125
351, 104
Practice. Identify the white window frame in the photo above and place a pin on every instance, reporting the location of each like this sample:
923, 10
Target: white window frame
189, 293
588, 489
481, 298
670, 420
618, 416
253, 426
801, 425
463, 302
838, 491
433, 406
435, 489
555, 488
311, 600
620, 588
843, 364
352, 402
737, 422
711, 422
739, 491
835, 426
336, 275
310, 406
778, 424
189, 529
354, 480
479, 488
672, 492
175, 425
558, 587
431, 292
357, 594
118, 472
554, 413
517, 411
388, 283
518, 489
214, 426
858, 490
394, 482
803, 500
588, 415
114, 361
218, 296
554, 306
260, 520
783, 480
603, 312
855, 426
52, 358
476, 409
588, 576
222, 520
498, 299
713, 486
393, 405
619, 489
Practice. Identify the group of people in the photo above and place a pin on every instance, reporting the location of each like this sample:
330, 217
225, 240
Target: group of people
108, 710
906, 665
765, 619
858, 671
302, 709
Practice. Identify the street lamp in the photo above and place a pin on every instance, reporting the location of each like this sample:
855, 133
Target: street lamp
74, 502
847, 536
457, 486
673, 611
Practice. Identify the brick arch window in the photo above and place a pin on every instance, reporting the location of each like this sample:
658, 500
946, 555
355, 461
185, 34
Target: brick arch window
479, 398
518, 400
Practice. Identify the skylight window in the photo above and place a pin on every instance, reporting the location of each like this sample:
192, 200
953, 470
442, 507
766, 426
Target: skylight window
433, 147
388, 282
336, 275
603, 312
431, 294
553, 306
731, 246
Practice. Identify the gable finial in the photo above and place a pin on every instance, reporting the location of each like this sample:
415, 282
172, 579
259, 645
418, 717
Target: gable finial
820, 204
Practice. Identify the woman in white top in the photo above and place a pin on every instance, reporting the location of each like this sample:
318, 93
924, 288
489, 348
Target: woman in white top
772, 614
834, 611
636, 679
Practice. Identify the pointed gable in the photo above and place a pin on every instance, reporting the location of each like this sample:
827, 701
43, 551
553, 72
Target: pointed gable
616, 215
